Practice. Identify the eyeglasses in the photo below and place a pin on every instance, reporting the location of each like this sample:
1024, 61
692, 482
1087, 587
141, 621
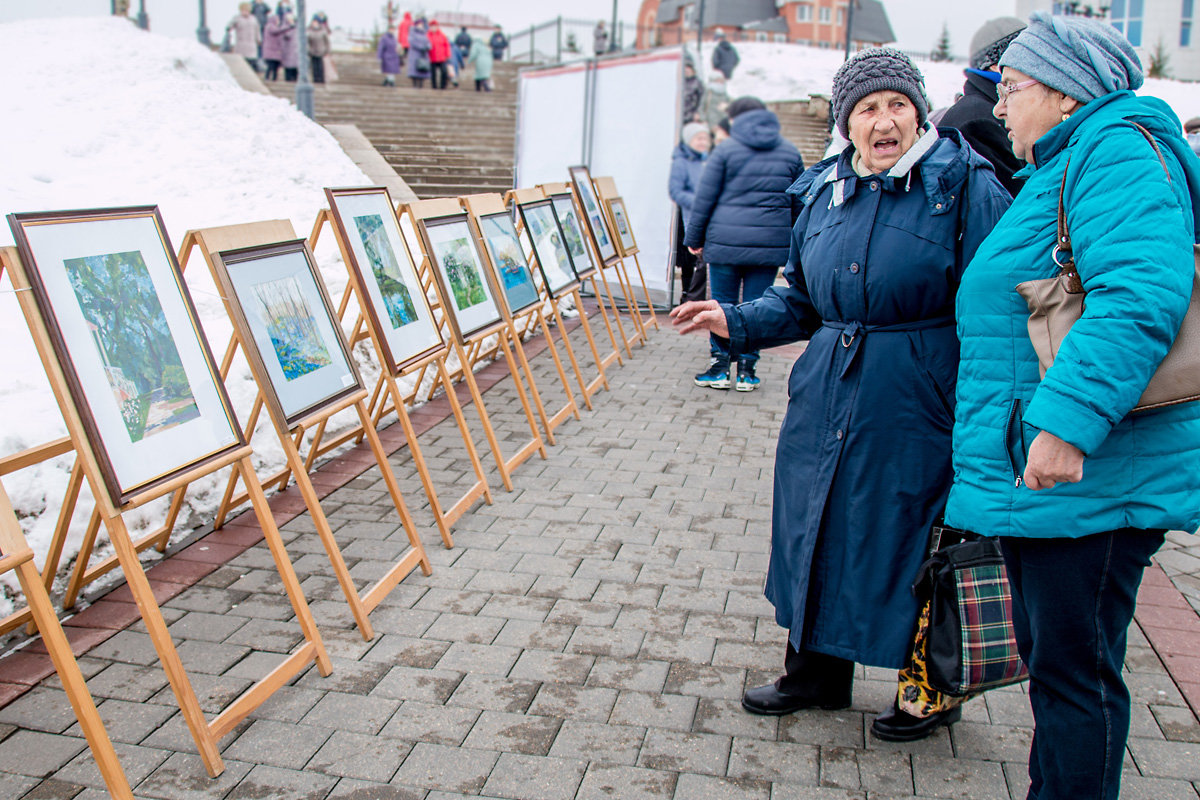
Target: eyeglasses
1003, 90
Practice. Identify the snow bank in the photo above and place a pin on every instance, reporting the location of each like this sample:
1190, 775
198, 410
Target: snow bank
775, 72
99, 113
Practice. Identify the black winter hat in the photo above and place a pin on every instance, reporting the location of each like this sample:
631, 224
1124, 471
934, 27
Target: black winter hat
875, 70
744, 104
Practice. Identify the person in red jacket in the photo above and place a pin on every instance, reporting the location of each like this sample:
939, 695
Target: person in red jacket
402, 33
439, 55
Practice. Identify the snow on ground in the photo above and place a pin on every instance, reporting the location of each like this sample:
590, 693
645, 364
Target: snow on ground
98, 114
774, 72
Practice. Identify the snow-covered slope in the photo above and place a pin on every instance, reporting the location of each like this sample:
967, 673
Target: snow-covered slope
99, 113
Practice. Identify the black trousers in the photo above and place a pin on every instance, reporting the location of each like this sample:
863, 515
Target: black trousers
290, 74
272, 70
318, 68
811, 674
440, 75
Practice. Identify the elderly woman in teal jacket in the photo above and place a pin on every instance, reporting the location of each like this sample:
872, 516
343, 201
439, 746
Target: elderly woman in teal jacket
1079, 490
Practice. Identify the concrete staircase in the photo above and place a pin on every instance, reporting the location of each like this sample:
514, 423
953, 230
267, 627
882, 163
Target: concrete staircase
800, 127
445, 143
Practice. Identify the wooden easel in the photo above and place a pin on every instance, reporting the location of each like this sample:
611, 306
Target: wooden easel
290, 437
522, 321
204, 734
387, 391
606, 189
81, 575
551, 190
470, 350
586, 388
15, 555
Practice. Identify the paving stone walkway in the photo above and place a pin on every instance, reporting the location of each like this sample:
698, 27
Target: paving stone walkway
589, 636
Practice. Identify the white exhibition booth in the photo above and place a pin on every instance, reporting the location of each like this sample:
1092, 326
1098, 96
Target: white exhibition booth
619, 116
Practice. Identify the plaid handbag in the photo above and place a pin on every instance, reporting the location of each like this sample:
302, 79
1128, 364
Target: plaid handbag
970, 644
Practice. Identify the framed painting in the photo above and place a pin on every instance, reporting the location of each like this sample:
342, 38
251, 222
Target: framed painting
288, 327
508, 257
620, 218
549, 246
581, 179
581, 256
471, 298
126, 335
381, 264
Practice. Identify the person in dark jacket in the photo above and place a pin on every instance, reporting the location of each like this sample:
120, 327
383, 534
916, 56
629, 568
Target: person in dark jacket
498, 43
600, 38
687, 163
740, 222
463, 42
725, 56
863, 462
693, 93
972, 115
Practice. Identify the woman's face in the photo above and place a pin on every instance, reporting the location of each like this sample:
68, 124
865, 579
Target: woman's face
700, 142
883, 126
1029, 112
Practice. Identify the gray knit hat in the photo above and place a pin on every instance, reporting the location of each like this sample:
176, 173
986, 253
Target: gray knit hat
690, 130
1080, 57
990, 41
875, 70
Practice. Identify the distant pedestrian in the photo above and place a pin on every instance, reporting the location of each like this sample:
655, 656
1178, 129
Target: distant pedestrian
693, 92
725, 56
247, 36
481, 57
318, 46
419, 64
1192, 129
498, 43
457, 59
463, 42
716, 100
600, 38
388, 53
260, 11
439, 56
279, 44
402, 33
687, 163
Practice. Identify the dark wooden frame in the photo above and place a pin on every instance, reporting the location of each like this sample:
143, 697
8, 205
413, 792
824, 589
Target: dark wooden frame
435, 269
613, 203
491, 259
394, 367
581, 178
246, 255
569, 198
144, 491
570, 286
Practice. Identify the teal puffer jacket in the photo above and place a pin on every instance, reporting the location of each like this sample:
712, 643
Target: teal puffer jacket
1132, 233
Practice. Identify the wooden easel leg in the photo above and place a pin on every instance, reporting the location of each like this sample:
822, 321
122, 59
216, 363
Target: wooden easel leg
616, 312
325, 533
616, 351
646, 292
477, 398
515, 370
58, 540
562, 329
571, 406
76, 689
461, 419
156, 627
635, 310
76, 583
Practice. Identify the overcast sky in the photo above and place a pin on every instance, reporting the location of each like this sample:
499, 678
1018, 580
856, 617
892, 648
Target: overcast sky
917, 23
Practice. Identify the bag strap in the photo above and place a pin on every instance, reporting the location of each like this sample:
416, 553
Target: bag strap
1063, 245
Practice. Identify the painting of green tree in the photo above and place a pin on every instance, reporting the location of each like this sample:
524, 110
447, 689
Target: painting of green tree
458, 262
396, 297
292, 327
130, 330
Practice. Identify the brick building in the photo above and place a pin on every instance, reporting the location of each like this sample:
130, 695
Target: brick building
818, 23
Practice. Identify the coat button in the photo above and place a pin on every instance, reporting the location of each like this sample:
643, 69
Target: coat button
854, 267
874, 186
840, 434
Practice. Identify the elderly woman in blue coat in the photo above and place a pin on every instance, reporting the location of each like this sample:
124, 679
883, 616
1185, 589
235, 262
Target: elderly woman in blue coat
1079, 489
687, 164
862, 467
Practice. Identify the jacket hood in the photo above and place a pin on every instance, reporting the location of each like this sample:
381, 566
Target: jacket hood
941, 172
757, 129
1151, 113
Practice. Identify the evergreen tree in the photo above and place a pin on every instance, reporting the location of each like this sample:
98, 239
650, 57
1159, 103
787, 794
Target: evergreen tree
941, 51
1159, 66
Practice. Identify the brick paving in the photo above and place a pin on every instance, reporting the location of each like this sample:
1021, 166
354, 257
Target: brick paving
589, 636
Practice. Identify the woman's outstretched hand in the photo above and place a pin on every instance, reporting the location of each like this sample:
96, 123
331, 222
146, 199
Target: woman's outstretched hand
700, 315
1052, 461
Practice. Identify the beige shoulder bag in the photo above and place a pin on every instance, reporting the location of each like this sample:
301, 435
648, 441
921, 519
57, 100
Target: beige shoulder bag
1055, 303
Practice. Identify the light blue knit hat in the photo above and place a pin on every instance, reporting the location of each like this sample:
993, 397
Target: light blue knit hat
1082, 58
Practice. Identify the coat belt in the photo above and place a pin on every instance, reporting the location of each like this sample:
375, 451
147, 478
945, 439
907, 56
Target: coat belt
853, 332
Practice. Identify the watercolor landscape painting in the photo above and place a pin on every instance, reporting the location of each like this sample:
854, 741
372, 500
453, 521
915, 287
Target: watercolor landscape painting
127, 323
292, 327
501, 237
396, 295
461, 269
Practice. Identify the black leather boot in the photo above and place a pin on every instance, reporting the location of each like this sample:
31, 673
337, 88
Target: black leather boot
811, 680
895, 725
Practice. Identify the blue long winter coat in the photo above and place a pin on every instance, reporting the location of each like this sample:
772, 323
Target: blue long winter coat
418, 46
1132, 233
742, 214
686, 167
389, 57
863, 461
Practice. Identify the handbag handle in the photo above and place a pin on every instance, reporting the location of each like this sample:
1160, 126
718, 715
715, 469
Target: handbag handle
1066, 267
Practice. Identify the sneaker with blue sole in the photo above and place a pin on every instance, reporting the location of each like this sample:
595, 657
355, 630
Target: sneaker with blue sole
747, 381
716, 377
